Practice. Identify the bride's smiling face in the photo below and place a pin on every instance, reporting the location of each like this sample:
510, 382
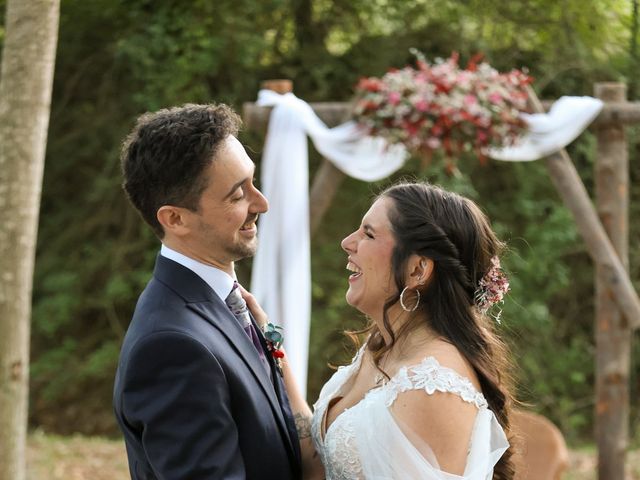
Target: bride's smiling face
370, 248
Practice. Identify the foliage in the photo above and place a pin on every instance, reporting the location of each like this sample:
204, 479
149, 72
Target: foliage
117, 59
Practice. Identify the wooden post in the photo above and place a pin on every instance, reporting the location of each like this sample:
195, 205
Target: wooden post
325, 185
280, 85
613, 335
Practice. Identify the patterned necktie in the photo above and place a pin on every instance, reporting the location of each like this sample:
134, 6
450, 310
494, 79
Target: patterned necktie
238, 307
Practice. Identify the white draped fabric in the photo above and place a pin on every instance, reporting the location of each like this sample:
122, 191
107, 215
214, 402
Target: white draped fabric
281, 279
549, 132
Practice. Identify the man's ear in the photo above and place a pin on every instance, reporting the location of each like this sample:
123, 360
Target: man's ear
420, 271
174, 220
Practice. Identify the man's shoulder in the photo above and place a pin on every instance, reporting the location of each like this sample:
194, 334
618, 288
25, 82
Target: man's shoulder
162, 309
159, 308
181, 280
165, 325
158, 294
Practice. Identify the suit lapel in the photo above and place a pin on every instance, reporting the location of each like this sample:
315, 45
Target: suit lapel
202, 299
283, 400
222, 318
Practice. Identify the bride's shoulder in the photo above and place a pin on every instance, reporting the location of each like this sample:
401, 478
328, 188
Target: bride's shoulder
436, 401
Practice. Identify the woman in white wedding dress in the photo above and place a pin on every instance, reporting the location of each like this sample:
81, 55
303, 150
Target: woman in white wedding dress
426, 397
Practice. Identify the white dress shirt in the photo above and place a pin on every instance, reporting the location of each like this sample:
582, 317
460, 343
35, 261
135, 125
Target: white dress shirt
221, 282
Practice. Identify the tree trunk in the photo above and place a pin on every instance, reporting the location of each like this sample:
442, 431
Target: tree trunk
25, 99
633, 52
305, 29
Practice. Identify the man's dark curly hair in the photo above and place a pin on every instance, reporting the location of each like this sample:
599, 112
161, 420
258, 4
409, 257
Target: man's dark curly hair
166, 154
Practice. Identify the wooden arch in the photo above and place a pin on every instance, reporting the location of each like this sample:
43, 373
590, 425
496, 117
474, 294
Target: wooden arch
604, 230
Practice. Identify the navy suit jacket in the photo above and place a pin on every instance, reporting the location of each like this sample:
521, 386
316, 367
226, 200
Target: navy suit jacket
191, 395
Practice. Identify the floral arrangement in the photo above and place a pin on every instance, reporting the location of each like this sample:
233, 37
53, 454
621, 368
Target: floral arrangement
492, 288
442, 107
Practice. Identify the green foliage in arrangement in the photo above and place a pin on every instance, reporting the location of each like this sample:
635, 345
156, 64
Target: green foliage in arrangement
119, 59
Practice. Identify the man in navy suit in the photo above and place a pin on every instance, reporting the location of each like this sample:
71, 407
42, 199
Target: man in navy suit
194, 395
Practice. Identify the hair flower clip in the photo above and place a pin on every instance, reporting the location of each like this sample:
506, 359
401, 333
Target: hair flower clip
274, 338
491, 288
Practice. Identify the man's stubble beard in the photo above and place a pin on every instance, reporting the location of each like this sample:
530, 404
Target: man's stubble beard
239, 251
234, 251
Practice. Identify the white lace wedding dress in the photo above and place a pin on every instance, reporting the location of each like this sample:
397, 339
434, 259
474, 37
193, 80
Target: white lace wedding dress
366, 442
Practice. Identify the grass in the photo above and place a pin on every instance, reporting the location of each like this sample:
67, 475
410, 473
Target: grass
51, 457
583, 464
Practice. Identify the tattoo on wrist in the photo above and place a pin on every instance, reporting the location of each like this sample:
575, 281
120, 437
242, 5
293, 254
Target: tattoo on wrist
303, 425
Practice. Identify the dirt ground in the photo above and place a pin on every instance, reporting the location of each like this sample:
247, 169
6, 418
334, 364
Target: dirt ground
52, 457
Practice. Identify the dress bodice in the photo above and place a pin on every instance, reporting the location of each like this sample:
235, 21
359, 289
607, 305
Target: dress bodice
365, 441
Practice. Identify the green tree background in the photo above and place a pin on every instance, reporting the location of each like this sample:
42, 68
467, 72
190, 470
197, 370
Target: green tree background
119, 59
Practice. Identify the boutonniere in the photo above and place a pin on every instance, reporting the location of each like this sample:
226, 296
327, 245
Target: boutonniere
274, 338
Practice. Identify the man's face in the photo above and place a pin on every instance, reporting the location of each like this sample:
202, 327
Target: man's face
223, 229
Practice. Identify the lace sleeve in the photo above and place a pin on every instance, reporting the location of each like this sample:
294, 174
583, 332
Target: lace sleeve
432, 377
385, 450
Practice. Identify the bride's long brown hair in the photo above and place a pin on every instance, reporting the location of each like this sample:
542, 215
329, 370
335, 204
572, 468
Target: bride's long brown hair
453, 232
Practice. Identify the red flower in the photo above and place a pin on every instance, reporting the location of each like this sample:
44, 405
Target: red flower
370, 84
472, 66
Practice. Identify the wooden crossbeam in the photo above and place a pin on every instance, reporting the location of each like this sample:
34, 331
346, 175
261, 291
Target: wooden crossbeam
332, 113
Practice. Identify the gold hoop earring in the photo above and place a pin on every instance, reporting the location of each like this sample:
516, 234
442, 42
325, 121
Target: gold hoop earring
404, 307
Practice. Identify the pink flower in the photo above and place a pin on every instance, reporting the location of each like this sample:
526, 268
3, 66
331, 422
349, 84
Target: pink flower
492, 286
433, 143
470, 100
421, 105
394, 98
495, 98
